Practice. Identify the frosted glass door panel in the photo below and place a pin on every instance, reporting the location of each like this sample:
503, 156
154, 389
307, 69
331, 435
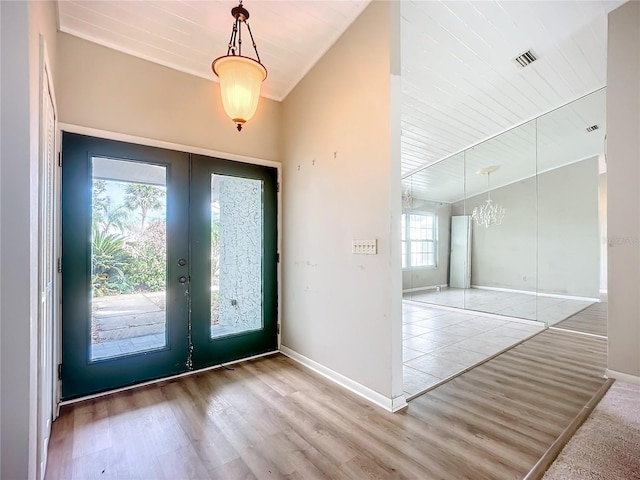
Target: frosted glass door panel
236, 255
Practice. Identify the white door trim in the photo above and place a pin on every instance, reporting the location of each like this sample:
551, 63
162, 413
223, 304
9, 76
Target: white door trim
48, 300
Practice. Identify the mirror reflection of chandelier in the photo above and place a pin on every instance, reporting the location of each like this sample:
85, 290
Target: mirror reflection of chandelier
489, 213
407, 199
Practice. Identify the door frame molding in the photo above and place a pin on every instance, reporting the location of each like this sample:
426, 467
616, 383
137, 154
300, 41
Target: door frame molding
123, 137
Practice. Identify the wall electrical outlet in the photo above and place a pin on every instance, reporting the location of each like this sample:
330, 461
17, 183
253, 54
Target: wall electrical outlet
364, 247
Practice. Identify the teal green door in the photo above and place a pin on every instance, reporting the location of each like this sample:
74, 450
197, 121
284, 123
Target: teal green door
233, 246
168, 263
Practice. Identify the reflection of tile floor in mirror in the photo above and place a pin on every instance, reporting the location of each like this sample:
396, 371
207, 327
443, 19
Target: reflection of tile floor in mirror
521, 305
438, 343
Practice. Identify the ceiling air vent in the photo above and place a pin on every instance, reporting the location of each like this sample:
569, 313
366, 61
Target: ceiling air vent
592, 128
526, 58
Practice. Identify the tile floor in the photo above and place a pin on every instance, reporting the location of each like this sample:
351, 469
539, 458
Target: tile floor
438, 343
521, 305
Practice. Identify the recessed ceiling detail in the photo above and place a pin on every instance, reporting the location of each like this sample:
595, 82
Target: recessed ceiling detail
592, 128
527, 58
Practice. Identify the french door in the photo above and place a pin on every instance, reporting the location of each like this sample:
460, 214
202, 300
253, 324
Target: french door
168, 263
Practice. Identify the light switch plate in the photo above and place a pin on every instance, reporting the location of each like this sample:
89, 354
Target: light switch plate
364, 247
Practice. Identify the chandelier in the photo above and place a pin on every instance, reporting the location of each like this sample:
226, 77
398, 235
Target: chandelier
240, 77
489, 213
407, 199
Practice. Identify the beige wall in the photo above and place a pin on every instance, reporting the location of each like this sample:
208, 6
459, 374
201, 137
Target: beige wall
341, 106
101, 88
22, 25
339, 184
623, 174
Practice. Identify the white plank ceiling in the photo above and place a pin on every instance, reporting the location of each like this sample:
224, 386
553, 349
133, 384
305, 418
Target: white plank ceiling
556, 139
188, 35
459, 79
460, 84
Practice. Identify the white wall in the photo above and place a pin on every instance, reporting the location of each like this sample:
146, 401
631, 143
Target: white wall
341, 182
504, 256
602, 188
549, 240
22, 25
569, 231
623, 174
101, 88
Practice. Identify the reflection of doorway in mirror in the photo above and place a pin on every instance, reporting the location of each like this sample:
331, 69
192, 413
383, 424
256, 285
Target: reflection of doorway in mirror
602, 187
460, 262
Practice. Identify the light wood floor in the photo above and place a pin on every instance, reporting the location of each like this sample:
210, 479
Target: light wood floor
271, 418
592, 319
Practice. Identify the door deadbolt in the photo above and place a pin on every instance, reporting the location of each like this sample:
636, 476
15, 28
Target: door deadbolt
182, 262
182, 279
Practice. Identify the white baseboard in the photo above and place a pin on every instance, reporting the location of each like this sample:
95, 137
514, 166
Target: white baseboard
500, 289
389, 404
625, 377
537, 294
422, 289
576, 332
474, 313
569, 297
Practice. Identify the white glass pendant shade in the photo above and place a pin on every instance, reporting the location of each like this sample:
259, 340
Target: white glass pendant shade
240, 82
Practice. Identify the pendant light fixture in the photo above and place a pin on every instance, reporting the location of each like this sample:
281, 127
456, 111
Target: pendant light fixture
240, 77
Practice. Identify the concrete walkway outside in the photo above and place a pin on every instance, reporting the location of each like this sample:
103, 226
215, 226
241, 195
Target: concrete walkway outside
127, 323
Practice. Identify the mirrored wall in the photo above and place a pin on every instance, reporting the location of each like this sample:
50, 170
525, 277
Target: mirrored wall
513, 225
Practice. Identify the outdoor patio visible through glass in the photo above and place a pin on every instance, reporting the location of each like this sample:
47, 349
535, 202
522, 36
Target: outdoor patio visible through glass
128, 258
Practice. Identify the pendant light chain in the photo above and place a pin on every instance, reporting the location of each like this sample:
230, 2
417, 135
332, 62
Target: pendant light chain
239, 33
489, 186
235, 42
255, 47
240, 76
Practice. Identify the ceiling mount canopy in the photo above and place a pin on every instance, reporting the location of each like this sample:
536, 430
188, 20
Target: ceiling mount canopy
240, 76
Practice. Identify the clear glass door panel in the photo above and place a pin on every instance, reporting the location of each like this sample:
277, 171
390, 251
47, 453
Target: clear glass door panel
128, 258
236, 255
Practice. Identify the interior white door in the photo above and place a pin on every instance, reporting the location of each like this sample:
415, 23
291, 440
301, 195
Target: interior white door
460, 262
46, 267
